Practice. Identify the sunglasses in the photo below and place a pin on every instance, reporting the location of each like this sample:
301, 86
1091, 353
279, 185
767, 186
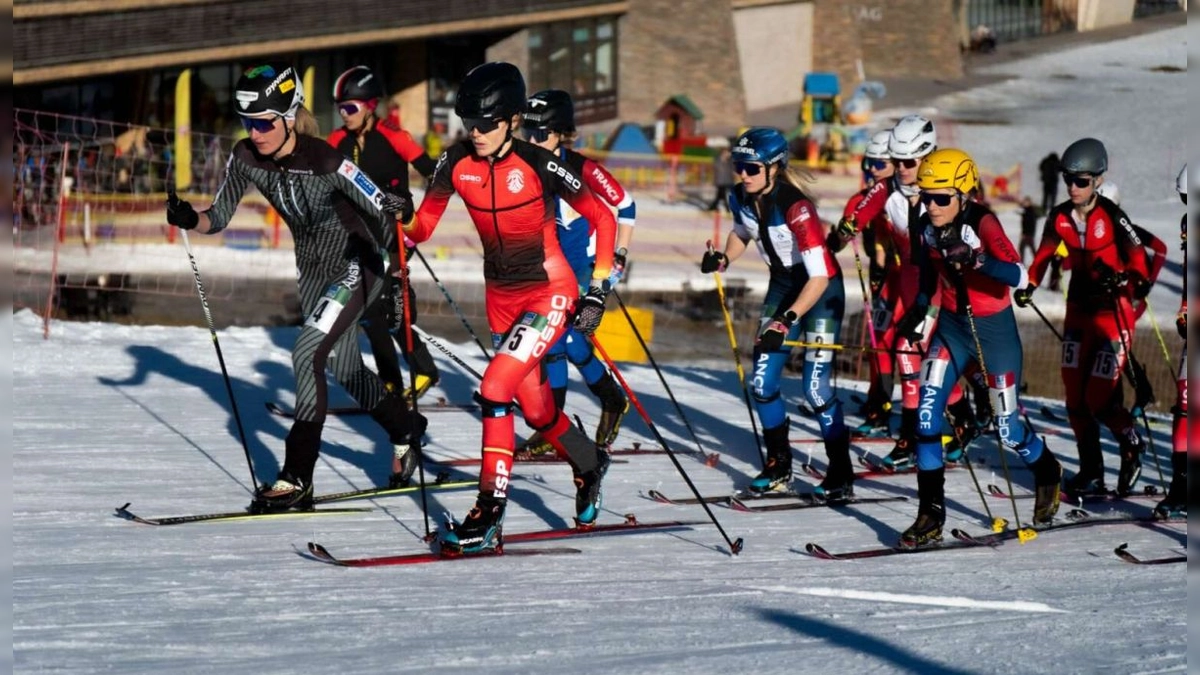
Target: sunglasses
484, 125
941, 199
350, 108
1078, 180
537, 135
747, 168
260, 124
873, 164
907, 163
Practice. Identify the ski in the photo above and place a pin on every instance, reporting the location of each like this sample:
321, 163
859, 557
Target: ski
1123, 553
320, 553
1075, 519
808, 501
518, 458
815, 473
370, 493
716, 499
818, 551
1150, 492
349, 411
854, 440
124, 512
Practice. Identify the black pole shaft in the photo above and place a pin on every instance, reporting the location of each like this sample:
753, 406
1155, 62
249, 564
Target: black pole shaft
414, 444
457, 310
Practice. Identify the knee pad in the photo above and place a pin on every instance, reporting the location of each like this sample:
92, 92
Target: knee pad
492, 408
758, 398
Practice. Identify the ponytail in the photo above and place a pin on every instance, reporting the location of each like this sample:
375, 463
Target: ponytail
306, 124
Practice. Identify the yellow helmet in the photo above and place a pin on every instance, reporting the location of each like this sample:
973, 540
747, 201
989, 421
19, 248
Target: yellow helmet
948, 168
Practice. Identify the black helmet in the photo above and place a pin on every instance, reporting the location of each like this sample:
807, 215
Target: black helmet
551, 110
357, 84
1086, 155
270, 89
493, 90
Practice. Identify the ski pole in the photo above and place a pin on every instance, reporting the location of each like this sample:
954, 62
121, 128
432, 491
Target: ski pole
735, 547
737, 360
868, 306
1131, 369
237, 417
457, 310
857, 348
414, 444
1046, 321
446, 350
645, 348
1161, 342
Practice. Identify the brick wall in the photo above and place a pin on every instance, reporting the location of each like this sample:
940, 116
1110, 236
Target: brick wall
894, 38
687, 47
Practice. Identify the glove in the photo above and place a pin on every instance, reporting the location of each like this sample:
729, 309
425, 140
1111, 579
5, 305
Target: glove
771, 338
910, 325
591, 308
961, 257
1110, 280
847, 228
1181, 324
180, 213
877, 275
1024, 296
713, 261
397, 205
1141, 287
620, 257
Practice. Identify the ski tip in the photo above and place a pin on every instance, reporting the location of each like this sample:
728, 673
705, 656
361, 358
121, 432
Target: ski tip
818, 552
712, 460
659, 497
737, 546
738, 505
1122, 549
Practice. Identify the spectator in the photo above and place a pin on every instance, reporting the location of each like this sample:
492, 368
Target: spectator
1049, 173
722, 179
1029, 219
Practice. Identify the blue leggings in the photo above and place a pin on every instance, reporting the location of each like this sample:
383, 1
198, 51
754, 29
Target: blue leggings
951, 351
572, 347
822, 323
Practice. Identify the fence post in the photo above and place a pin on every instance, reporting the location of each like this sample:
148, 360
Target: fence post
671, 179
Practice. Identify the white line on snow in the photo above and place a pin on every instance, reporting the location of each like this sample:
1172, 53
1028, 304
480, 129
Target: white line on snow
908, 599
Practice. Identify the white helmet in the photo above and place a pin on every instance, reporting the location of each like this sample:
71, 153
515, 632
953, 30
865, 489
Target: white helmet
1180, 180
913, 137
1109, 190
877, 147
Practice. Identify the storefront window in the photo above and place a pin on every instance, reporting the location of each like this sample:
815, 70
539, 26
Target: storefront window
577, 57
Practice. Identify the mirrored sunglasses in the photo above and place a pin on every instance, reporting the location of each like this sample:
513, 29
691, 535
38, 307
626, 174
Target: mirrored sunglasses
350, 108
260, 124
484, 125
537, 135
747, 168
907, 163
1079, 180
874, 164
940, 198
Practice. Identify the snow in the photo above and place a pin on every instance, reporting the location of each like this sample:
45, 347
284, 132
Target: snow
108, 414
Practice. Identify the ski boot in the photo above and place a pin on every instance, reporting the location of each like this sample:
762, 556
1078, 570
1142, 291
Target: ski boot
423, 383
931, 514
966, 430
1175, 503
479, 532
1131, 467
904, 453
588, 494
287, 493
406, 454
1089, 482
536, 445
838, 484
1047, 479
875, 422
776, 475
613, 406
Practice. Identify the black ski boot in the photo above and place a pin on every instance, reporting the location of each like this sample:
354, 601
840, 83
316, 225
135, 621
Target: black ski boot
1089, 481
589, 496
613, 406
1047, 480
904, 453
931, 513
776, 476
962, 419
1131, 467
405, 432
839, 480
480, 531
287, 493
1175, 503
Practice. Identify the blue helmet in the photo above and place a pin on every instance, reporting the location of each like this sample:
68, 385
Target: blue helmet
760, 144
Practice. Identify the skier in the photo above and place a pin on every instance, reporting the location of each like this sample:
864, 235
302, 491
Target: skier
805, 300
966, 253
337, 217
549, 123
384, 152
1109, 273
509, 187
1175, 503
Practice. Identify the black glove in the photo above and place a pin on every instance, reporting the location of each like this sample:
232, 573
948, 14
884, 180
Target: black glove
877, 275
1181, 324
713, 261
1141, 287
1024, 296
909, 326
771, 338
961, 257
396, 205
620, 257
591, 308
180, 213
1109, 280
847, 228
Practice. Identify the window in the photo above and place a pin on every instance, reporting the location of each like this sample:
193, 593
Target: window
578, 57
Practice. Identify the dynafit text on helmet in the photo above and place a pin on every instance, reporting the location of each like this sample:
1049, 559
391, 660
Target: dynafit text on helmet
805, 301
338, 218
549, 123
965, 253
509, 188
1110, 273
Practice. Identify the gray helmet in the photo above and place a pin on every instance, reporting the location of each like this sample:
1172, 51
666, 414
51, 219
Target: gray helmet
1086, 155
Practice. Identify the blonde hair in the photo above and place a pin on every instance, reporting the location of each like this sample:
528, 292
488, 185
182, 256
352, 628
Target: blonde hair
306, 123
798, 178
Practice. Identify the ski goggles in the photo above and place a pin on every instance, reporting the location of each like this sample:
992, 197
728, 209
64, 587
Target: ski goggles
538, 135
907, 163
1079, 180
484, 125
350, 108
940, 198
874, 164
747, 168
260, 124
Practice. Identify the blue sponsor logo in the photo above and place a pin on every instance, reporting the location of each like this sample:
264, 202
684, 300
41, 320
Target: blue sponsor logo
364, 184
